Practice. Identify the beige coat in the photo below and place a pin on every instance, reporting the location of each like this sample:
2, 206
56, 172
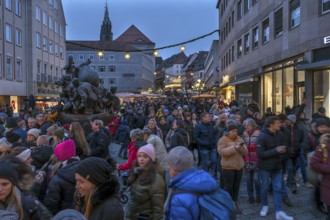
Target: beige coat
231, 159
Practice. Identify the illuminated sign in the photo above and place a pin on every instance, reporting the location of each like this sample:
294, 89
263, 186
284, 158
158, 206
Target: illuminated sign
327, 40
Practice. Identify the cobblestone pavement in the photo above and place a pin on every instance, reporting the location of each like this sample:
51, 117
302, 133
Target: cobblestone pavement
303, 205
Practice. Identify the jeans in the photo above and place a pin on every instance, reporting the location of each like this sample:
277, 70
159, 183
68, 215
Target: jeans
209, 160
302, 164
276, 179
291, 165
253, 183
232, 179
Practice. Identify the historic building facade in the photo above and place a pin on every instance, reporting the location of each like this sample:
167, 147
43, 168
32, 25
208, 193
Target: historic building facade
275, 52
108, 57
32, 49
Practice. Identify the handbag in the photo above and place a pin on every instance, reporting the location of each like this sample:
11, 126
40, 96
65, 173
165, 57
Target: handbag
250, 166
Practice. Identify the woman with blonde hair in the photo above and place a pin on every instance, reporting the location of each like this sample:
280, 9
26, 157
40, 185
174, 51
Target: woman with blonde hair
78, 136
97, 190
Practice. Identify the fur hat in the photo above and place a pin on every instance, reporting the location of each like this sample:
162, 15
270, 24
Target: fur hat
35, 132
65, 150
180, 158
149, 150
24, 155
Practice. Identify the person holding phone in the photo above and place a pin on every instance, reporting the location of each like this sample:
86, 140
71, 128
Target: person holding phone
232, 150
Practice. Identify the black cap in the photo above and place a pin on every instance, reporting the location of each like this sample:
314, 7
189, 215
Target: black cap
321, 110
11, 122
12, 137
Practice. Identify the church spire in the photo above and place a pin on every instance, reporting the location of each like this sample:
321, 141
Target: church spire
106, 34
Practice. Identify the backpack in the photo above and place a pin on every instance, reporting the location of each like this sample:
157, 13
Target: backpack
217, 205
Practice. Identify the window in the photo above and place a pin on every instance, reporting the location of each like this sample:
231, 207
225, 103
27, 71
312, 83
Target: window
8, 4
55, 4
278, 22
81, 56
51, 47
51, 70
61, 31
229, 22
56, 49
112, 81
9, 68
101, 81
56, 73
265, 31
38, 40
101, 68
294, 13
232, 20
255, 37
19, 76
18, 8
61, 52
44, 18
239, 48
18, 37
37, 13
111, 56
239, 10
8, 33
254, 2
38, 66
50, 23
101, 56
91, 56
56, 26
246, 43
325, 6
246, 6
112, 69
232, 53
45, 69
45, 43
229, 56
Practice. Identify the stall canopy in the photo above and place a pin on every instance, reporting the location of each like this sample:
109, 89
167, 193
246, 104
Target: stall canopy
203, 96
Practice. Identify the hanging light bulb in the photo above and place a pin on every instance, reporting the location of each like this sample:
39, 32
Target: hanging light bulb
182, 48
127, 56
155, 53
100, 53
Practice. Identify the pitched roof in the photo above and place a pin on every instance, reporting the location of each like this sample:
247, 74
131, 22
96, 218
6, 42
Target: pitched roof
98, 45
134, 35
179, 58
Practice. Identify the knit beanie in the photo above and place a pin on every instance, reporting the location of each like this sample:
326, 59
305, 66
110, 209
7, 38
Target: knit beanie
321, 121
149, 150
180, 158
23, 156
292, 118
35, 132
95, 170
12, 137
69, 214
59, 132
11, 122
231, 127
65, 150
8, 171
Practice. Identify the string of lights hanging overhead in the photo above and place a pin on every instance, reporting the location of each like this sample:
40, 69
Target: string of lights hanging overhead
182, 46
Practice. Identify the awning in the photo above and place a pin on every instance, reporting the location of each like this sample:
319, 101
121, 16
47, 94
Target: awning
241, 81
324, 64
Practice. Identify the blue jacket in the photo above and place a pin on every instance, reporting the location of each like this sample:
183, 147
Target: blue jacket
184, 206
205, 136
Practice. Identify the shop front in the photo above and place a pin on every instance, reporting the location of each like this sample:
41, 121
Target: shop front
282, 86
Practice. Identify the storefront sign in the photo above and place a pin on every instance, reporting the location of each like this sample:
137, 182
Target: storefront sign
327, 40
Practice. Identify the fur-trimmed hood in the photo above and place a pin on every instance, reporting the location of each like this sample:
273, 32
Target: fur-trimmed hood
105, 191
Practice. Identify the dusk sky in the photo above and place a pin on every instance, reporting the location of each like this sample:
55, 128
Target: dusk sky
165, 22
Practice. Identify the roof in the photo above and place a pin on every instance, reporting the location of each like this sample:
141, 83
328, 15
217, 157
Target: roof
198, 63
134, 35
179, 58
98, 45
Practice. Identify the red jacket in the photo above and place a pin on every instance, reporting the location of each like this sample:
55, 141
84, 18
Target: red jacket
133, 148
113, 125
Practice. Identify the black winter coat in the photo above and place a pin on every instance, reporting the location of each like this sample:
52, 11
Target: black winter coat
99, 145
105, 202
61, 188
123, 135
295, 140
138, 121
205, 136
269, 158
179, 138
43, 128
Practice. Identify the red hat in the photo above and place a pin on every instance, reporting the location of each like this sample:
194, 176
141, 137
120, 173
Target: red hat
65, 150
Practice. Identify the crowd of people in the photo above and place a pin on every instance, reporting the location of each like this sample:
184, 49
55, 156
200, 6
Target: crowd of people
47, 169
